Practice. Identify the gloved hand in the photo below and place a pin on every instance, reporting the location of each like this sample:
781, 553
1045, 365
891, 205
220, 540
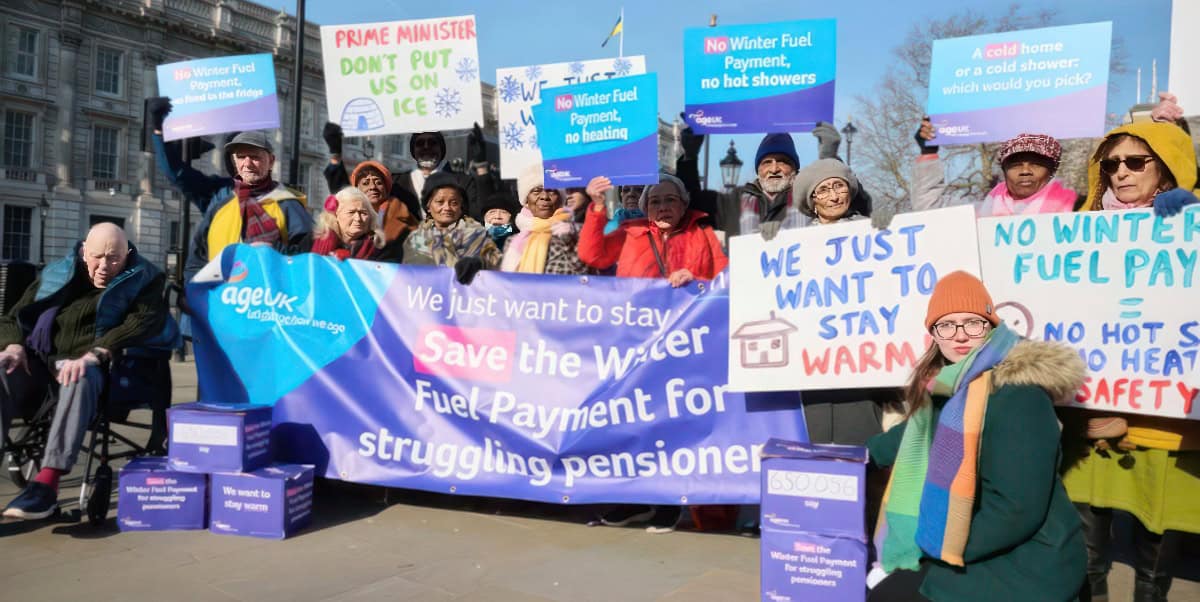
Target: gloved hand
924, 134
1172, 201
466, 268
333, 137
157, 109
881, 218
1168, 109
691, 142
828, 140
198, 146
477, 146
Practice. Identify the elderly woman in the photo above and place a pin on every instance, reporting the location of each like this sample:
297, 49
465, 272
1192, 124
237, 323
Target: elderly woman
1029, 162
375, 181
548, 233
348, 227
670, 242
1143, 465
829, 193
447, 237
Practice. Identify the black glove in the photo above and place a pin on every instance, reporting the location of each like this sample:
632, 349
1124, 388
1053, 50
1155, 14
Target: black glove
477, 146
691, 142
466, 268
157, 109
198, 146
333, 137
926, 129
828, 140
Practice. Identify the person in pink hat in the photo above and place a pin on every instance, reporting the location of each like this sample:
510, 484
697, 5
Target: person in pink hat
1029, 162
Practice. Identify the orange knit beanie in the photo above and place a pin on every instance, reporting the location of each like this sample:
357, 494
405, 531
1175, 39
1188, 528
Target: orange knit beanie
960, 292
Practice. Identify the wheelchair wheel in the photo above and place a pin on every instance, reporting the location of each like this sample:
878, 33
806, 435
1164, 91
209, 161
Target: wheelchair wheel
21, 469
100, 497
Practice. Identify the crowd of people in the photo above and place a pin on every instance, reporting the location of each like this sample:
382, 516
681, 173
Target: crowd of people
1030, 514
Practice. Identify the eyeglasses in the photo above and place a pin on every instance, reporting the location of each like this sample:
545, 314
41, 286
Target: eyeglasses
825, 192
1134, 163
949, 330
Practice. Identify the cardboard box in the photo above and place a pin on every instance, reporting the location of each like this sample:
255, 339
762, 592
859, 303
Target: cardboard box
152, 497
814, 542
210, 437
272, 502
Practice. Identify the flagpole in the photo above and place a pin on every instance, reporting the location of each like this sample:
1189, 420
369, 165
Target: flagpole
621, 47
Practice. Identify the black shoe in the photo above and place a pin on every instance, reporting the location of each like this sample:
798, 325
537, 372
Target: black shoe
37, 501
627, 515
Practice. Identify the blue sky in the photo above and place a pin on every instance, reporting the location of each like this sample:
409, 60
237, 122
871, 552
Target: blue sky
522, 32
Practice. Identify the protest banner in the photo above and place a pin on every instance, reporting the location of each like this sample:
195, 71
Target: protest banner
402, 76
840, 305
1184, 81
603, 128
218, 95
767, 77
546, 388
1114, 284
989, 88
519, 88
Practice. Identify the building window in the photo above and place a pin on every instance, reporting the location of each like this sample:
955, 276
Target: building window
302, 179
307, 119
96, 218
105, 152
108, 71
173, 236
17, 235
25, 53
395, 145
18, 139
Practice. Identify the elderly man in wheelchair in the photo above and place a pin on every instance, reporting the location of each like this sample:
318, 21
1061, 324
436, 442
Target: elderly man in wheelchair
60, 337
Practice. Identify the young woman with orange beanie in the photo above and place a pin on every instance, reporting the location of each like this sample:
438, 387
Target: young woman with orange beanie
975, 509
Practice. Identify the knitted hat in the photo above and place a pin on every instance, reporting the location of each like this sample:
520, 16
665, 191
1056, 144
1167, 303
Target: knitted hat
439, 180
1038, 144
500, 200
377, 166
960, 292
781, 143
441, 140
814, 173
665, 177
531, 177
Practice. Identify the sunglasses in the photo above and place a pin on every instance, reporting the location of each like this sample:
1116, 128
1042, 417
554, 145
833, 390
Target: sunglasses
1134, 163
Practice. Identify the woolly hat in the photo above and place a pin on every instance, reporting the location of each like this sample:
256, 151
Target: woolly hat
441, 140
781, 143
257, 139
377, 166
960, 292
814, 173
1038, 144
500, 200
665, 177
531, 177
439, 180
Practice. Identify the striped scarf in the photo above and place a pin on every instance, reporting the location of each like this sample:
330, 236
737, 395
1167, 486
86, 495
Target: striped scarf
929, 499
257, 225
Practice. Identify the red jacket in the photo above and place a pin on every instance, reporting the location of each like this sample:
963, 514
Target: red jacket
692, 247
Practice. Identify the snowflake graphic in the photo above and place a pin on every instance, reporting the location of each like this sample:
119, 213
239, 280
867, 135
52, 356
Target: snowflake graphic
575, 68
510, 89
467, 70
447, 103
622, 67
514, 136
533, 72
533, 141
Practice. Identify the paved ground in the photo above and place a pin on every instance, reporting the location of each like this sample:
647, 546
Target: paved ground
368, 544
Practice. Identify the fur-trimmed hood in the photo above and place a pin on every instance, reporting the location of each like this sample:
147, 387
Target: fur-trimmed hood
1052, 366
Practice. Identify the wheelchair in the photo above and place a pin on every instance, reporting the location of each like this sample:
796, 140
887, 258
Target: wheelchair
136, 379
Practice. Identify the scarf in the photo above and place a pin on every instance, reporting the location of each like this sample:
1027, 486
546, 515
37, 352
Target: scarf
257, 225
444, 246
330, 244
930, 496
1051, 198
1110, 202
397, 219
531, 246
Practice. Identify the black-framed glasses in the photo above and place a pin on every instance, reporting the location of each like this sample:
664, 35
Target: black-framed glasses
949, 330
1134, 163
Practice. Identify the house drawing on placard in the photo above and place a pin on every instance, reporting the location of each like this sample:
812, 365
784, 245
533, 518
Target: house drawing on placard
764, 343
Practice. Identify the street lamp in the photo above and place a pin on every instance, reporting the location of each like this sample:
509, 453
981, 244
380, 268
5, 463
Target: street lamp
848, 133
731, 167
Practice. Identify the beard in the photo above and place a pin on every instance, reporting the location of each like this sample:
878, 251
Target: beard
775, 185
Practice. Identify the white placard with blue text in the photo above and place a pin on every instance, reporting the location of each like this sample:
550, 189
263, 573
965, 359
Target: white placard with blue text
840, 305
519, 88
1120, 286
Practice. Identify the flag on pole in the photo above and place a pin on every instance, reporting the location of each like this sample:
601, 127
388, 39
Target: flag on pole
618, 29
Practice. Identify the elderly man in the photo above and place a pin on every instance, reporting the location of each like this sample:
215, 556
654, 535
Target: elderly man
768, 198
249, 206
99, 300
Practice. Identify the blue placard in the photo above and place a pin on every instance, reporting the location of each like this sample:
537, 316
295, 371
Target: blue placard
606, 128
992, 87
217, 95
769, 77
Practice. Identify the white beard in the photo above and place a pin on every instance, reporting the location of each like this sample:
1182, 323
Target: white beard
772, 186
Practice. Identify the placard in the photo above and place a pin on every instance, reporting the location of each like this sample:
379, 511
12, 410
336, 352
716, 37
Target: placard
218, 95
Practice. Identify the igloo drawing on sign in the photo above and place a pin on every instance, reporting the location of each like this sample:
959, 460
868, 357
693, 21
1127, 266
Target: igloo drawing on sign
361, 114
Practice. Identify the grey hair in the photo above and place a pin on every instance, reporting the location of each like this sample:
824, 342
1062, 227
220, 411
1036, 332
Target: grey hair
327, 220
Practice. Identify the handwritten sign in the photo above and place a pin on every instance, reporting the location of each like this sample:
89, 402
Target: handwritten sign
840, 305
1120, 286
603, 128
992, 87
769, 77
217, 95
402, 76
519, 88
